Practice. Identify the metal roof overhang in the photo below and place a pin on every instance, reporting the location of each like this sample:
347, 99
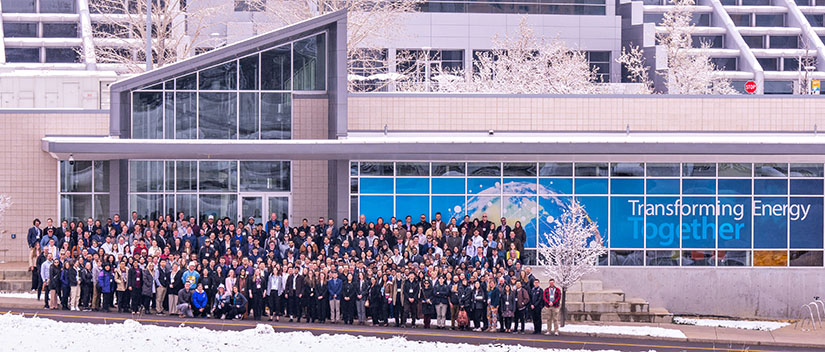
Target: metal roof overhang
437, 148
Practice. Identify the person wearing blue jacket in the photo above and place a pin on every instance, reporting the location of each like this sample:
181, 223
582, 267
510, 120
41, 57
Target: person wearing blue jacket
493, 302
334, 287
199, 302
104, 280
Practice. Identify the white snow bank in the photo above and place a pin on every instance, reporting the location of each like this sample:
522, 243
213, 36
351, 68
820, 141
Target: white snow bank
37, 334
733, 324
622, 330
20, 295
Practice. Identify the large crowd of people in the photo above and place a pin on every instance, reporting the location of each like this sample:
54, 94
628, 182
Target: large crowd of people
461, 275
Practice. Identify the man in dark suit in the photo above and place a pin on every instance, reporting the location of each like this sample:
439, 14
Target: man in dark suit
294, 290
35, 233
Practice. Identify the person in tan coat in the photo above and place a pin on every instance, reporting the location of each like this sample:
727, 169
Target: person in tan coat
121, 275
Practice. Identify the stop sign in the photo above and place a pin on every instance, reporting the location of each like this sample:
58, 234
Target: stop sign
750, 87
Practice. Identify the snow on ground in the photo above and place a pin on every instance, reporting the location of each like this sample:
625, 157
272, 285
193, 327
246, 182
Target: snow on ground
19, 295
37, 334
621, 330
734, 324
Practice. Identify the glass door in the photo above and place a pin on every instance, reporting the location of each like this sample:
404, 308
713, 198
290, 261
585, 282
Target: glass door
260, 206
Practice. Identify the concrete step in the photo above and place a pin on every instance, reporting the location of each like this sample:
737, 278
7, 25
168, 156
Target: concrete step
607, 307
16, 285
591, 285
638, 305
15, 274
661, 315
604, 296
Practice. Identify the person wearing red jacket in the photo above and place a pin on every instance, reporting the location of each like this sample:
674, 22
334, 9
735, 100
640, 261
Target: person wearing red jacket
552, 300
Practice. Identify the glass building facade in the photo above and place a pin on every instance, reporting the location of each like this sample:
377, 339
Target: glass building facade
651, 214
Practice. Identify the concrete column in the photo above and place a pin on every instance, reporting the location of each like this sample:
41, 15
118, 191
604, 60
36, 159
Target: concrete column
338, 189
89, 56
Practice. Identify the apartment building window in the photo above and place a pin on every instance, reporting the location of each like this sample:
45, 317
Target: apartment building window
545, 7
439, 60
699, 19
62, 55
769, 63
725, 63
770, 20
58, 6
84, 189
22, 54
784, 42
713, 41
600, 61
18, 6
815, 20
803, 2
741, 20
756, 2
754, 41
20, 30
364, 66
249, 5
792, 63
60, 30
779, 87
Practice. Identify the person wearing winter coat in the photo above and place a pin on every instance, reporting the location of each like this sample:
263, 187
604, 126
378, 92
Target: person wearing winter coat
221, 303
199, 307
552, 300
147, 287
86, 286
441, 293
121, 277
104, 280
508, 306
456, 290
135, 287
479, 305
536, 305
362, 292
54, 283
275, 284
348, 296
256, 287
74, 286
522, 303
427, 304
412, 292
493, 302
322, 297
377, 302
334, 286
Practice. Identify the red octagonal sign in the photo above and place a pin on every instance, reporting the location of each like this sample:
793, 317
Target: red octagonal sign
750, 87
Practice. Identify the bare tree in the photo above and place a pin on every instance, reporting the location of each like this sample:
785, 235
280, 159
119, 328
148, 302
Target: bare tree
522, 64
571, 250
689, 71
119, 31
634, 61
806, 64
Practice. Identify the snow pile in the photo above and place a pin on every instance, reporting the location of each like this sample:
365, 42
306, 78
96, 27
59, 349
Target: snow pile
38, 334
733, 324
623, 330
20, 295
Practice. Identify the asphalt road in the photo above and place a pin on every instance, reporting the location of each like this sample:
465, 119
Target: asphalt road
541, 341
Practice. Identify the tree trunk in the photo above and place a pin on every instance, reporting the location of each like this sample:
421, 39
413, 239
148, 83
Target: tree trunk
563, 305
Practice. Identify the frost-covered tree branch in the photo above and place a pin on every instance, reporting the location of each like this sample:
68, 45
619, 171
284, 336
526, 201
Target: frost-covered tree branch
689, 71
571, 250
634, 61
119, 31
5, 204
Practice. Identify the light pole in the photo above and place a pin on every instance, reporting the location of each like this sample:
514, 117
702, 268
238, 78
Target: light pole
148, 35
427, 67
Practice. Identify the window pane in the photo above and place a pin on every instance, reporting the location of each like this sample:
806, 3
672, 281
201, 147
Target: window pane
18, 6
217, 116
75, 207
806, 258
149, 206
58, 6
101, 176
627, 169
448, 169
591, 169
19, 29
22, 55
309, 63
733, 258
806, 170
146, 176
221, 77
170, 177
519, 169
185, 118
248, 73
147, 115
266, 176
276, 69
662, 258
698, 258
376, 169
59, 30
483, 169
218, 175
186, 203
168, 115
186, 178
219, 206
248, 116
101, 206
413, 169
735, 170
770, 170
698, 170
186, 82
556, 169
276, 116
770, 258
77, 177
65, 55
627, 258
663, 170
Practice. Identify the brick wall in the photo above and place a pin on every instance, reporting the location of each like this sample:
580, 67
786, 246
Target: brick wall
309, 177
29, 175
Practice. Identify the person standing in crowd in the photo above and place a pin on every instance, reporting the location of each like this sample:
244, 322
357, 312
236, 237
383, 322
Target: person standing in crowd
175, 285
441, 293
65, 284
135, 288
455, 304
552, 300
147, 287
536, 305
427, 305
86, 286
55, 283
294, 292
411, 299
348, 290
479, 307
334, 286
361, 294
74, 286
104, 281
274, 287
493, 302
36, 259
508, 307
322, 297
522, 303
256, 288
308, 301
375, 302
161, 285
